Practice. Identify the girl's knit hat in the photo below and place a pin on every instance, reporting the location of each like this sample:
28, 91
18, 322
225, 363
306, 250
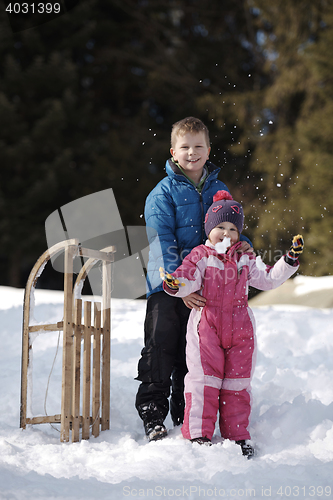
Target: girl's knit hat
224, 209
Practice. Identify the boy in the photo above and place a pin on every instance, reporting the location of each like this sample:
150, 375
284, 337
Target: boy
175, 211
220, 349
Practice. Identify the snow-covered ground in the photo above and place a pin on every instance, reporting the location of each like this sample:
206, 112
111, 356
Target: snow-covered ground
292, 418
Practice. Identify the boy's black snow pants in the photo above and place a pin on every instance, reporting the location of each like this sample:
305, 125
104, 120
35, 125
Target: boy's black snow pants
162, 362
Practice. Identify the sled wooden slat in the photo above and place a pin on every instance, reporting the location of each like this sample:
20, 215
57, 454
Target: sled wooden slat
76, 371
54, 419
66, 396
86, 371
82, 340
47, 328
96, 381
106, 352
55, 327
95, 254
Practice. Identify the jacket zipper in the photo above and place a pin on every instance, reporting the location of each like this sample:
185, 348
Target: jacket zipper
201, 204
202, 209
202, 219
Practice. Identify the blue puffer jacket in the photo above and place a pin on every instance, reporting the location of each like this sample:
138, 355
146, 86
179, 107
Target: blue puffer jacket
174, 214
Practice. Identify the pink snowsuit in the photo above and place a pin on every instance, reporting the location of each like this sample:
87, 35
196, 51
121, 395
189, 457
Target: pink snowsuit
220, 350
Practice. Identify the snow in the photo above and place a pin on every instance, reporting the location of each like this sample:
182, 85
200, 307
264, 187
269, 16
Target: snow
292, 417
222, 246
306, 284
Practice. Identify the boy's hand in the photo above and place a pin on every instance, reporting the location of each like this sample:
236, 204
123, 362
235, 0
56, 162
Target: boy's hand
171, 282
297, 246
194, 301
245, 247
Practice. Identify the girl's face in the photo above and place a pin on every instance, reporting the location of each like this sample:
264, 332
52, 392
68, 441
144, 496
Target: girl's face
224, 230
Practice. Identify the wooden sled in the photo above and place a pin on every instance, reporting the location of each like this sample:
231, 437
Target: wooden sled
77, 333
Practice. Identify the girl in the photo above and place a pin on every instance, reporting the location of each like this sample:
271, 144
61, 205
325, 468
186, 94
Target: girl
220, 351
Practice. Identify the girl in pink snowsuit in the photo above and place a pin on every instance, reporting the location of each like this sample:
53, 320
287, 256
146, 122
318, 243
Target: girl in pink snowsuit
221, 348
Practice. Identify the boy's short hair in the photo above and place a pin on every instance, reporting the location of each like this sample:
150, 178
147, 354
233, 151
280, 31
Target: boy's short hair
191, 125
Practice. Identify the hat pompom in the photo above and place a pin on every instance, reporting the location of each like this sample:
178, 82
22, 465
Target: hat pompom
222, 195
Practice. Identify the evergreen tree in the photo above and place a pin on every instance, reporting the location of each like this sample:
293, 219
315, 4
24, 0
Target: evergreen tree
294, 156
284, 125
87, 101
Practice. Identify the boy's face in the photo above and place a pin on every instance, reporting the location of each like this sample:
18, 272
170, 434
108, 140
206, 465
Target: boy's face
191, 152
224, 230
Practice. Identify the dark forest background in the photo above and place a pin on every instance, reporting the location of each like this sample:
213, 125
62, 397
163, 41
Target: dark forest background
87, 101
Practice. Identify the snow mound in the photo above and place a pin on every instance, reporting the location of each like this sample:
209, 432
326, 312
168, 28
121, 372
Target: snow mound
292, 418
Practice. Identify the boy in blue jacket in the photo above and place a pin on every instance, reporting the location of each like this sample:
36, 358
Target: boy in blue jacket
175, 211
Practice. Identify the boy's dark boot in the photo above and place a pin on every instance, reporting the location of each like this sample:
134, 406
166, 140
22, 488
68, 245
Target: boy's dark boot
152, 421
